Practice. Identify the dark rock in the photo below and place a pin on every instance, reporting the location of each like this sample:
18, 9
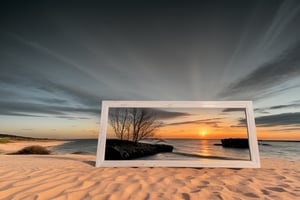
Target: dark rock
80, 153
264, 144
217, 144
235, 142
126, 150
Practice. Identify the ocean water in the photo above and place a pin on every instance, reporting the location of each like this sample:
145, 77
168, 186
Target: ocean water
195, 149
80, 146
187, 149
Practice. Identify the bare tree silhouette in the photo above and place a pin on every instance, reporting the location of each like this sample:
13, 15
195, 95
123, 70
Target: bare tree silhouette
133, 124
119, 120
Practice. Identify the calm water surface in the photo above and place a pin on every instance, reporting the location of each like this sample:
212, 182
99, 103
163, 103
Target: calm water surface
203, 148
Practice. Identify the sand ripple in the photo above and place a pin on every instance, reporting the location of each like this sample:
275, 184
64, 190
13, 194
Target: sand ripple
73, 177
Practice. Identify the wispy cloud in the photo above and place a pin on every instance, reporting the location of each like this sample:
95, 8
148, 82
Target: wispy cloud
234, 110
19, 114
163, 114
286, 129
76, 94
71, 118
38, 110
261, 111
51, 100
283, 119
277, 107
238, 126
67, 61
279, 70
42, 96
214, 122
295, 105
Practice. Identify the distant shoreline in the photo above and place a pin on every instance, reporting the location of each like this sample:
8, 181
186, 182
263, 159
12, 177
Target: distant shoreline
211, 139
278, 140
25, 138
10, 145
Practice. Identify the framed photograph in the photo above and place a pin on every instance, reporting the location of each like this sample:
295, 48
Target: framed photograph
177, 134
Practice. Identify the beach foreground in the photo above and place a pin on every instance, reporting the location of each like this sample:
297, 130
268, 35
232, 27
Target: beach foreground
75, 177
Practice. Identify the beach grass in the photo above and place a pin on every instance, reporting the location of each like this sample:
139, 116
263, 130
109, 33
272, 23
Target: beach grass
34, 149
5, 141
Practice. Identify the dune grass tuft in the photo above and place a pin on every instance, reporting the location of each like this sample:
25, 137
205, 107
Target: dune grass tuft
4, 141
35, 149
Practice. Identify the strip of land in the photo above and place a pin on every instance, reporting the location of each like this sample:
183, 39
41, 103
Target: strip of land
11, 144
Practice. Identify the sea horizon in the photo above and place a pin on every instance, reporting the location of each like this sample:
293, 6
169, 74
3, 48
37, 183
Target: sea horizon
269, 140
92, 138
270, 149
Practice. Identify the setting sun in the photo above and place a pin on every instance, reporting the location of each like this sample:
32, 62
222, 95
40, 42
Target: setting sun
202, 133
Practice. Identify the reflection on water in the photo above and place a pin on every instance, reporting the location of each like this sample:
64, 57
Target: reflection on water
191, 149
284, 150
204, 146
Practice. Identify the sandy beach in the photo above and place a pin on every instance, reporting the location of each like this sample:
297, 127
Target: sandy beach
72, 176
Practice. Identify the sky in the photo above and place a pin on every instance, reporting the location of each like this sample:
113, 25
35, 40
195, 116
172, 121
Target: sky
188, 123
60, 59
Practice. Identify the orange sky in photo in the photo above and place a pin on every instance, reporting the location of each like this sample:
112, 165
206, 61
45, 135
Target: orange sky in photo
214, 124
200, 124
200, 132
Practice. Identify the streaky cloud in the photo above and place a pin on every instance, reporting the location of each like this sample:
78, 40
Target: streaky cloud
71, 118
278, 71
40, 83
286, 129
212, 122
283, 119
32, 109
51, 100
162, 114
18, 114
234, 110
284, 106
267, 110
287, 12
55, 55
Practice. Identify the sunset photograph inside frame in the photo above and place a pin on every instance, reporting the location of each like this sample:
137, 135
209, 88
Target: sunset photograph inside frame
194, 133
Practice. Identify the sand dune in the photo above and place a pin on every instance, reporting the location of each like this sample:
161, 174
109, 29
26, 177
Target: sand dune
17, 145
75, 177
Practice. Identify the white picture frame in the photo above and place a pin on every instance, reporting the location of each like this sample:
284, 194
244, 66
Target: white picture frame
253, 162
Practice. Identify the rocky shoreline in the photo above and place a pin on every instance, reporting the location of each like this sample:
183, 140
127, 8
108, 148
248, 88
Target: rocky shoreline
127, 150
235, 143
